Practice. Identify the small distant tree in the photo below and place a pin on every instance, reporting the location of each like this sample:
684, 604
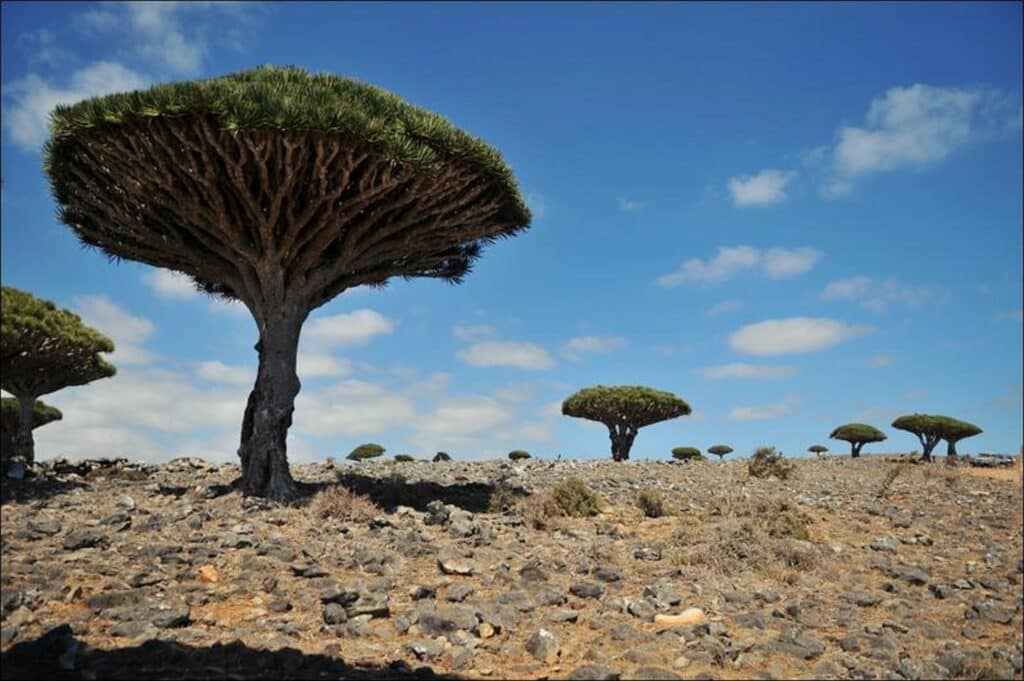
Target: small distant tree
931, 428
280, 189
518, 455
687, 454
858, 435
44, 349
441, 456
403, 458
817, 449
958, 431
720, 451
10, 422
624, 409
370, 450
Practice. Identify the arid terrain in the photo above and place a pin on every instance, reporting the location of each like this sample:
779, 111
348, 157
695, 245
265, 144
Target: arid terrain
862, 569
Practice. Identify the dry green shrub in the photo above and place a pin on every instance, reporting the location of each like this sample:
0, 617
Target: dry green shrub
650, 501
507, 499
572, 498
337, 502
767, 462
890, 477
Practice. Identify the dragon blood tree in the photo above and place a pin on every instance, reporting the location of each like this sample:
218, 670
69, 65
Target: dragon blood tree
624, 409
931, 428
720, 451
10, 421
818, 450
280, 189
858, 435
44, 349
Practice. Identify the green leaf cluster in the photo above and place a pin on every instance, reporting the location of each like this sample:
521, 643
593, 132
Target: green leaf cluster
370, 450
687, 454
10, 414
293, 98
817, 449
720, 450
518, 455
936, 426
857, 432
44, 348
629, 405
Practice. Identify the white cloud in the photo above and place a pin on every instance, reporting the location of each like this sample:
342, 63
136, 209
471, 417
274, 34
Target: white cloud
126, 330
768, 411
218, 372
352, 407
32, 98
780, 263
724, 306
351, 328
575, 348
763, 189
39, 48
458, 422
519, 355
630, 205
877, 296
473, 332
313, 364
914, 127
775, 263
793, 335
741, 370
170, 285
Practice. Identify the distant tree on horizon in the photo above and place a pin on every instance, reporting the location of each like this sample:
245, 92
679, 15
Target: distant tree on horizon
858, 435
280, 189
518, 455
43, 349
817, 449
624, 410
931, 428
687, 454
370, 450
720, 451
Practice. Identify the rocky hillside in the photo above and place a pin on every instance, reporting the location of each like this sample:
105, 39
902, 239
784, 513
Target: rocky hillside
858, 569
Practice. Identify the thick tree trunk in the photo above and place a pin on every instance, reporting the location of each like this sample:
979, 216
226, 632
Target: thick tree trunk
24, 443
622, 441
928, 444
268, 415
951, 448
855, 449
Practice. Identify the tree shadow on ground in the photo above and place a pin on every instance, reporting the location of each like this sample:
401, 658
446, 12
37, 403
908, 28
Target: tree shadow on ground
35, 489
393, 491
58, 655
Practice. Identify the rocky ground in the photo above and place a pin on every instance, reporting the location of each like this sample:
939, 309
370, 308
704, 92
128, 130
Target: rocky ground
857, 569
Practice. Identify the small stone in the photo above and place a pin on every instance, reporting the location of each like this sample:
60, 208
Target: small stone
334, 614
886, 544
996, 612
454, 564
307, 570
867, 600
651, 674
543, 646
175, 617
681, 662
82, 539
607, 575
564, 616
43, 526
586, 590
279, 605
941, 591
459, 593
208, 574
594, 672
418, 593
485, 630
641, 609
687, 618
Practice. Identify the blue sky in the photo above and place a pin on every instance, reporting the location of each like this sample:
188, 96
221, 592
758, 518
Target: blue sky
792, 216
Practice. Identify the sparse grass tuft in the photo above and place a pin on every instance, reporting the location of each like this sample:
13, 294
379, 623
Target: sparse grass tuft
890, 477
337, 502
572, 498
767, 462
650, 501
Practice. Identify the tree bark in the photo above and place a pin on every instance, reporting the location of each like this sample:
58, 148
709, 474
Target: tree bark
622, 441
855, 449
928, 444
951, 448
24, 443
268, 414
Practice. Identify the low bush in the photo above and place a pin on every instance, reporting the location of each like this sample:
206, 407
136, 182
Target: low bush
650, 501
441, 456
518, 455
370, 450
572, 498
403, 458
687, 454
767, 462
337, 502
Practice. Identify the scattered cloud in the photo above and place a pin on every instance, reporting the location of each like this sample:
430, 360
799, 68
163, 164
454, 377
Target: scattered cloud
32, 98
218, 372
742, 370
765, 188
473, 332
724, 307
515, 354
793, 335
775, 263
40, 49
126, 330
915, 127
351, 328
352, 407
878, 295
315, 364
768, 411
577, 347
630, 205
170, 285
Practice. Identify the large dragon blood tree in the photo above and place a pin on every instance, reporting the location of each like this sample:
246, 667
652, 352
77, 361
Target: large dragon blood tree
43, 349
281, 189
624, 410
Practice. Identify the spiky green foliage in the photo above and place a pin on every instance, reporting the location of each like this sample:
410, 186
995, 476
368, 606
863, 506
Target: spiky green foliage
817, 449
720, 450
931, 428
10, 414
518, 455
370, 450
687, 454
44, 348
624, 409
858, 435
